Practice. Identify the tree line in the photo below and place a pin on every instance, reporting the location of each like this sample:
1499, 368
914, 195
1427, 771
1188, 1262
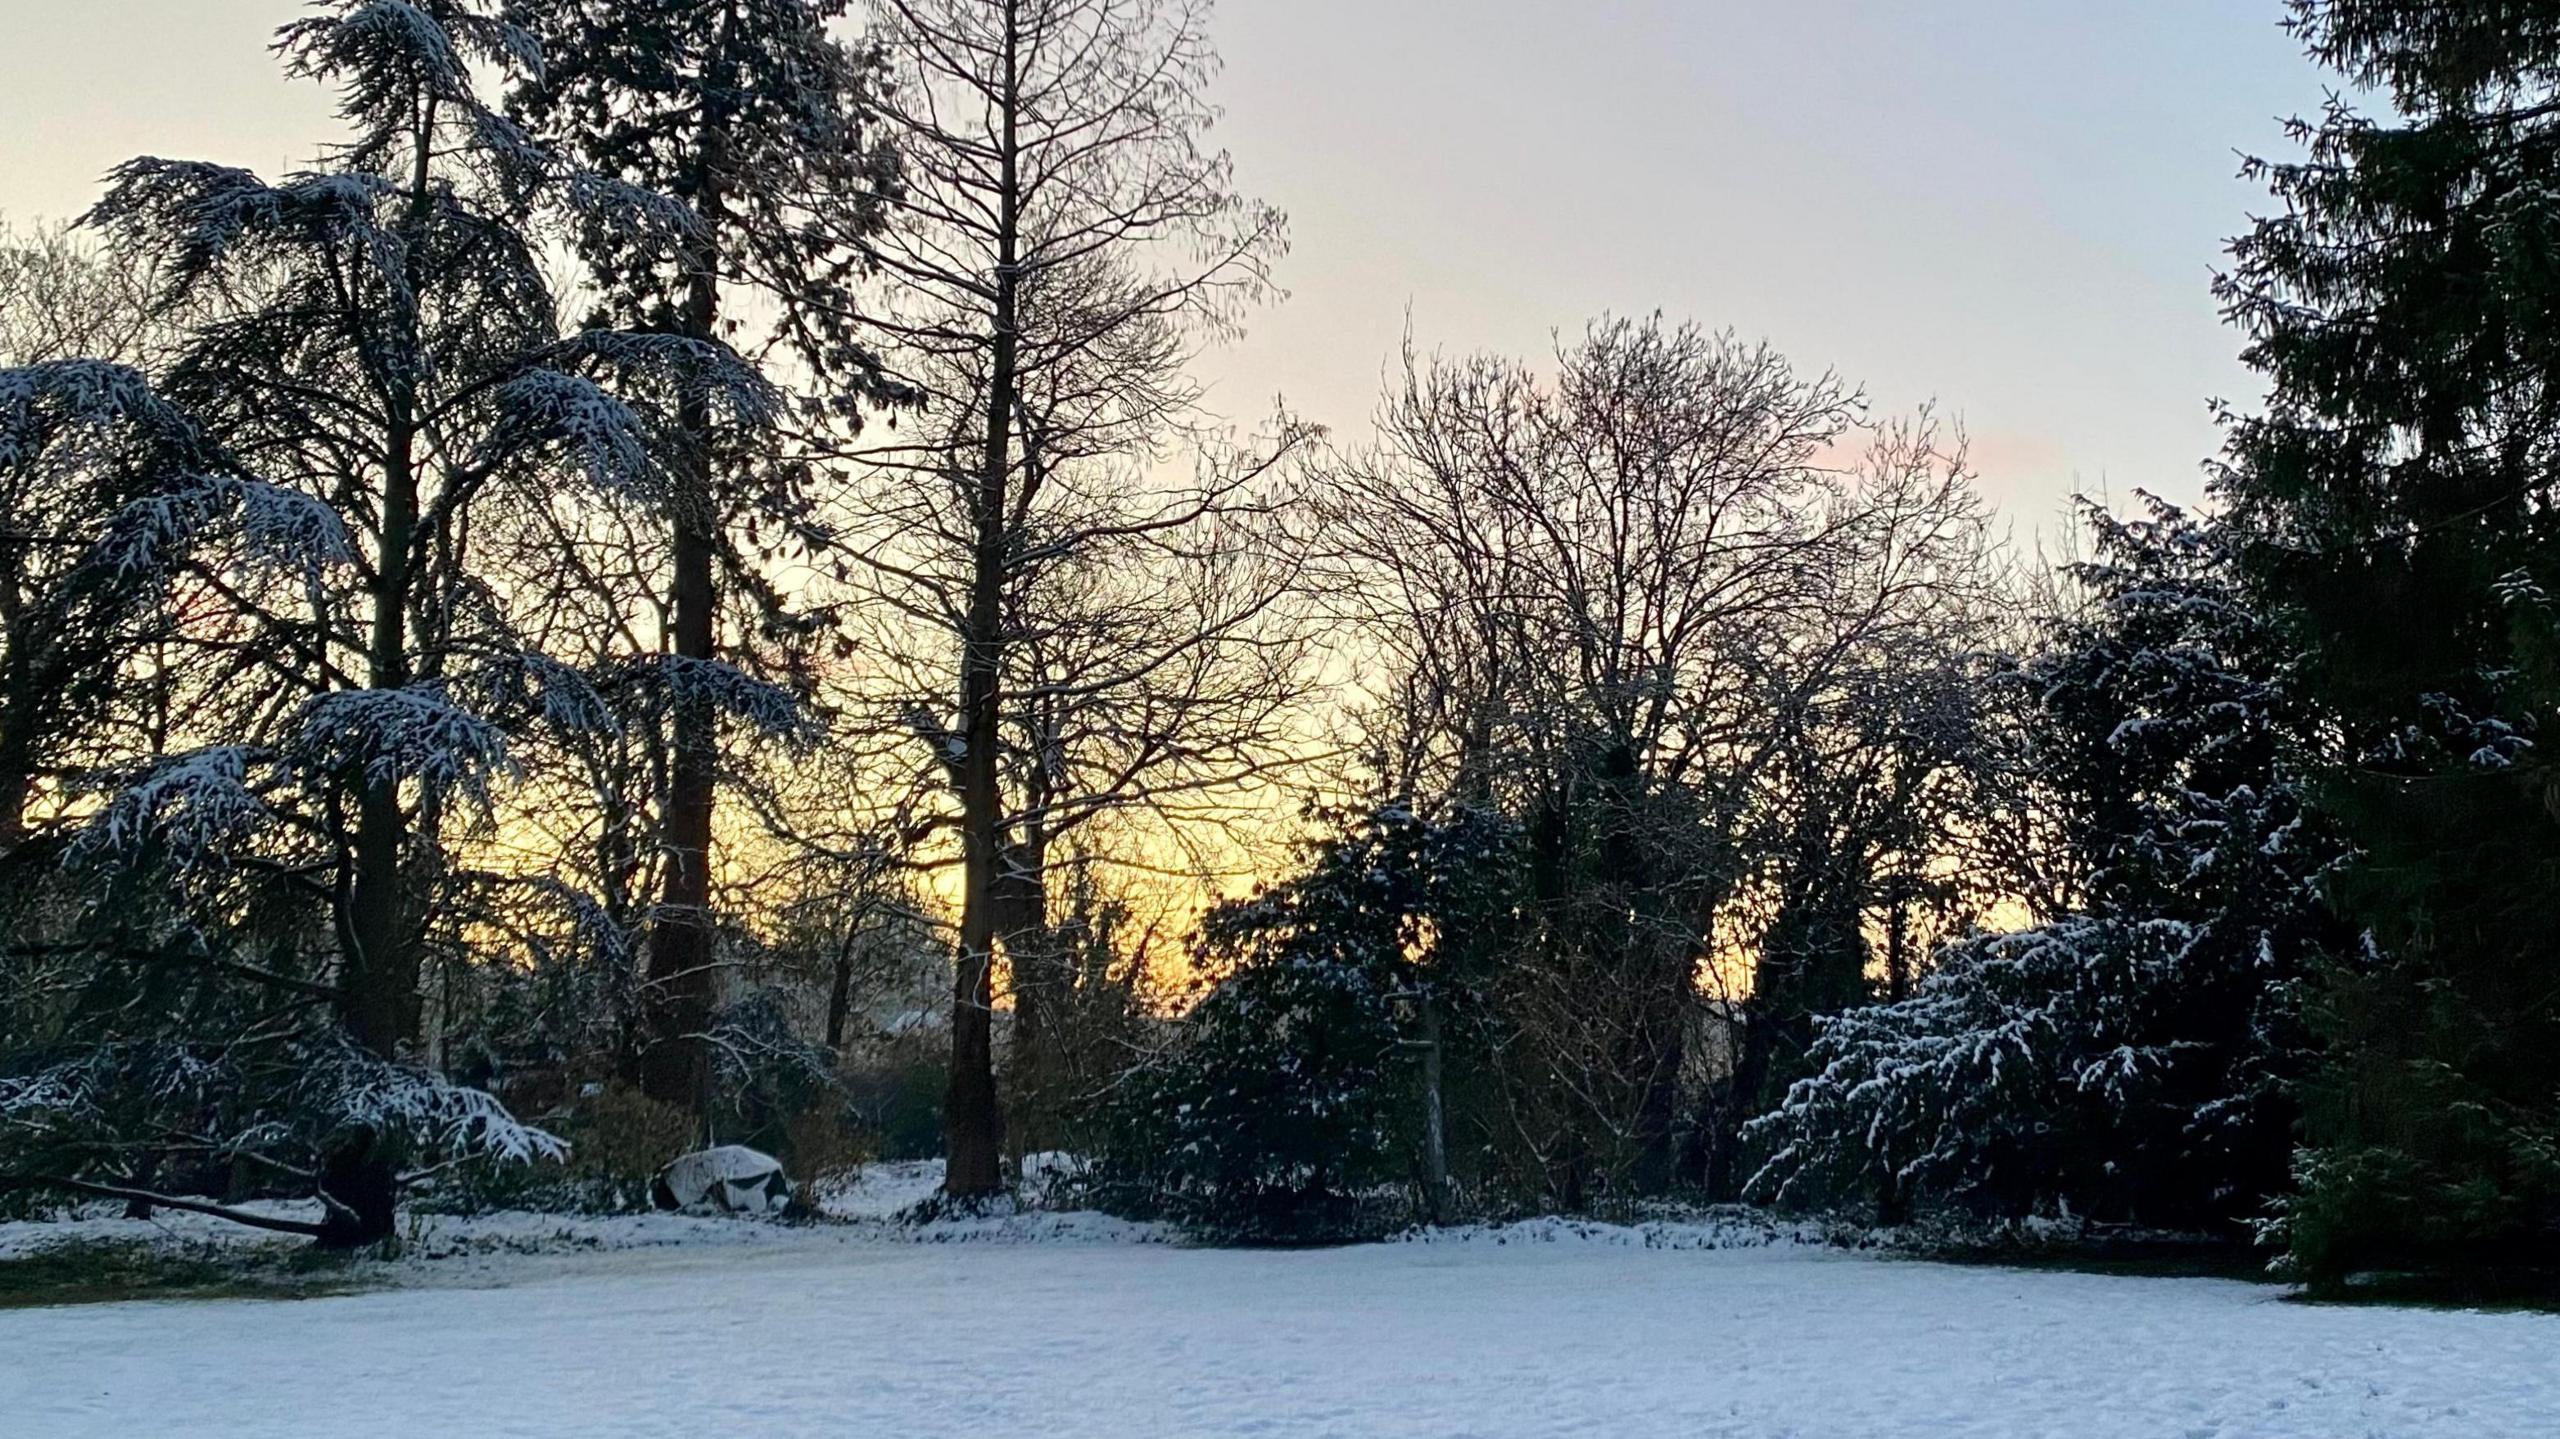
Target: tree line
679, 585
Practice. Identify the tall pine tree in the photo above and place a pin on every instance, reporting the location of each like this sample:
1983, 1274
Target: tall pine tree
758, 120
2397, 497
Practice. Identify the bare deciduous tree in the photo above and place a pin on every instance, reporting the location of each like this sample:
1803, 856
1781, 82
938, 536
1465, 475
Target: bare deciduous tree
1614, 603
1104, 624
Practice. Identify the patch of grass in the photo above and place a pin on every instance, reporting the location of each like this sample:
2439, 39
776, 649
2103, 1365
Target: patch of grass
2514, 1291
106, 1271
2521, 1290
2146, 1258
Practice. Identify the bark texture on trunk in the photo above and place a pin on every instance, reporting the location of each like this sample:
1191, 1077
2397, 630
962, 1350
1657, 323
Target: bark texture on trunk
362, 1187
973, 1115
1038, 986
378, 980
1435, 1125
680, 976
680, 973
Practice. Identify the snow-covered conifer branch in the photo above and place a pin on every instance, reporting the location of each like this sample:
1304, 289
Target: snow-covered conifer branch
190, 808
523, 685
345, 1089
39, 402
416, 733
678, 365
606, 439
770, 710
203, 215
282, 527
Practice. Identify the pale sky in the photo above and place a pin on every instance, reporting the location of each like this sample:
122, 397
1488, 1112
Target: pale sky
2011, 206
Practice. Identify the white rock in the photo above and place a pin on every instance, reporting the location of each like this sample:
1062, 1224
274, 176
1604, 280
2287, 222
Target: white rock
731, 1179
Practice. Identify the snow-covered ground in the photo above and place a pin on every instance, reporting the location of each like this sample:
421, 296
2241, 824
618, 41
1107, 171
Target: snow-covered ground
1542, 1329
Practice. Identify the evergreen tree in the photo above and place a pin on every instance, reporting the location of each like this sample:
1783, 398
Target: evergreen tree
2398, 498
1299, 1085
371, 394
755, 119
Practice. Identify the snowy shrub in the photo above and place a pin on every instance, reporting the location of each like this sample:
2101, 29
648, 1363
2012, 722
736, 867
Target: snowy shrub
1288, 1105
2134, 1059
2073, 1068
617, 1140
284, 1110
340, 1089
1274, 1117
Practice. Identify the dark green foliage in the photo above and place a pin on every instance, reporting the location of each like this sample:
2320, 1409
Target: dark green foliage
897, 1101
765, 1075
758, 120
1289, 1106
2398, 500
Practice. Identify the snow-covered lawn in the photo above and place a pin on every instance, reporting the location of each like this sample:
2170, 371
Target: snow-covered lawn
1550, 1330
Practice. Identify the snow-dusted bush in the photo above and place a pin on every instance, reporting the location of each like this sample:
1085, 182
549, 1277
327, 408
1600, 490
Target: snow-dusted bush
1288, 1106
2131, 1059
2079, 1067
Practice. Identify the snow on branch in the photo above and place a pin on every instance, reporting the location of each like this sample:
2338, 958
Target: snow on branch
591, 921
78, 1092
282, 527
765, 707
343, 1088
190, 808
643, 218
202, 214
417, 733
1997, 1054
701, 369
607, 439
65, 1092
373, 38
527, 684
38, 402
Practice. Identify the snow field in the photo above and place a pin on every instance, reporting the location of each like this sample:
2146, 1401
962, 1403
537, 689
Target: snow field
1542, 1330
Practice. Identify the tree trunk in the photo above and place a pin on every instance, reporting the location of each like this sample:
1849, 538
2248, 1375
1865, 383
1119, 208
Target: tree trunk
679, 976
840, 991
17, 763
362, 1188
21, 697
675, 1069
973, 1117
1435, 1128
378, 982
1897, 953
379, 979
1742, 1101
1030, 951
379, 988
